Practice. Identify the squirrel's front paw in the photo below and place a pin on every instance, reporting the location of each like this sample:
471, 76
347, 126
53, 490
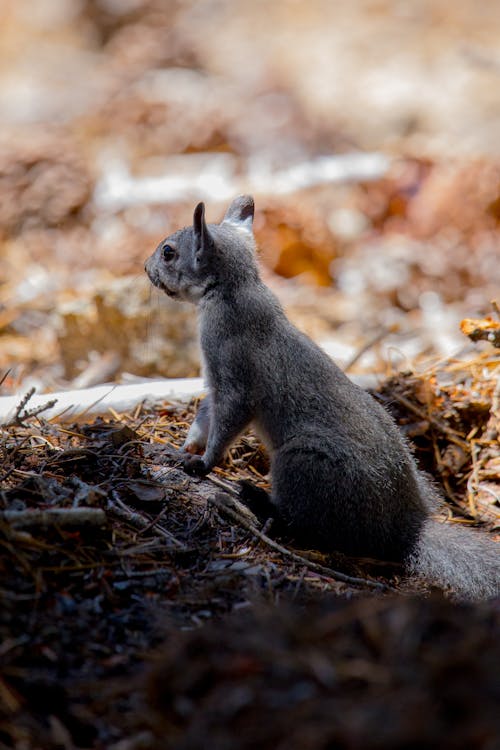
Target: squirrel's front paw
192, 447
195, 466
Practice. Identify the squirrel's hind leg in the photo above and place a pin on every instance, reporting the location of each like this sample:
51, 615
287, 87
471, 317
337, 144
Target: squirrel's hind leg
260, 503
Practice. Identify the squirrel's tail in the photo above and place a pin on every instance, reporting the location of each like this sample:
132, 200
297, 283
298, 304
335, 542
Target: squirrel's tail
457, 558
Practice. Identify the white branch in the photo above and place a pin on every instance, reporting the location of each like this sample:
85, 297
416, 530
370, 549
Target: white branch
90, 402
76, 404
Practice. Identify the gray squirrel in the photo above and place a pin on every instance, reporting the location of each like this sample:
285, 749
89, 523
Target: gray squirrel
343, 477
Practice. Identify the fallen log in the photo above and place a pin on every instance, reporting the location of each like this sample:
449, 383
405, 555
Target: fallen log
54, 517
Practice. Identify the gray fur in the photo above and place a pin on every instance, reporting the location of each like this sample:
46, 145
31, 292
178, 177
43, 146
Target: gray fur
457, 558
343, 477
197, 436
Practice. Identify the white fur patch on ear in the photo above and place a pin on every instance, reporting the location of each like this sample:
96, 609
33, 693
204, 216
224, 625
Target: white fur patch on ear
242, 226
240, 213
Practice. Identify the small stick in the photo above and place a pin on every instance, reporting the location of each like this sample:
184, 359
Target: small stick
221, 505
21, 413
4, 376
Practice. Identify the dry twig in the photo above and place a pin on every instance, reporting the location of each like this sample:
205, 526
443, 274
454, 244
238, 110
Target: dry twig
22, 414
453, 435
118, 508
221, 503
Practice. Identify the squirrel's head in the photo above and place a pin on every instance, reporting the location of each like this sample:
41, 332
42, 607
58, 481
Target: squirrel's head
200, 259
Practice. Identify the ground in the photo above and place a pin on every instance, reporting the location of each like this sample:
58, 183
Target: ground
161, 617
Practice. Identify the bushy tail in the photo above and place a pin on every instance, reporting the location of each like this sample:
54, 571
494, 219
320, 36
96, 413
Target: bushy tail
457, 558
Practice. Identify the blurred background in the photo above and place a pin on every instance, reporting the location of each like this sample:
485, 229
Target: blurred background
367, 132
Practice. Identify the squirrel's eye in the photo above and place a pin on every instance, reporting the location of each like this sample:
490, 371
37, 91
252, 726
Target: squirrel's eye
168, 252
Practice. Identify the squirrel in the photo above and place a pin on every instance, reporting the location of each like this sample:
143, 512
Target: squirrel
343, 477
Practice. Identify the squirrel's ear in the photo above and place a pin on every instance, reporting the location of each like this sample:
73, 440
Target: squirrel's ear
240, 212
201, 233
199, 225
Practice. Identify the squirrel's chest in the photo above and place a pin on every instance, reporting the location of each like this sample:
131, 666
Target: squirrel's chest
216, 363
223, 346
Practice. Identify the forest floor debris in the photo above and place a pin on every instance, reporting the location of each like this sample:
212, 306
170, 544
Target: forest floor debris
85, 607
